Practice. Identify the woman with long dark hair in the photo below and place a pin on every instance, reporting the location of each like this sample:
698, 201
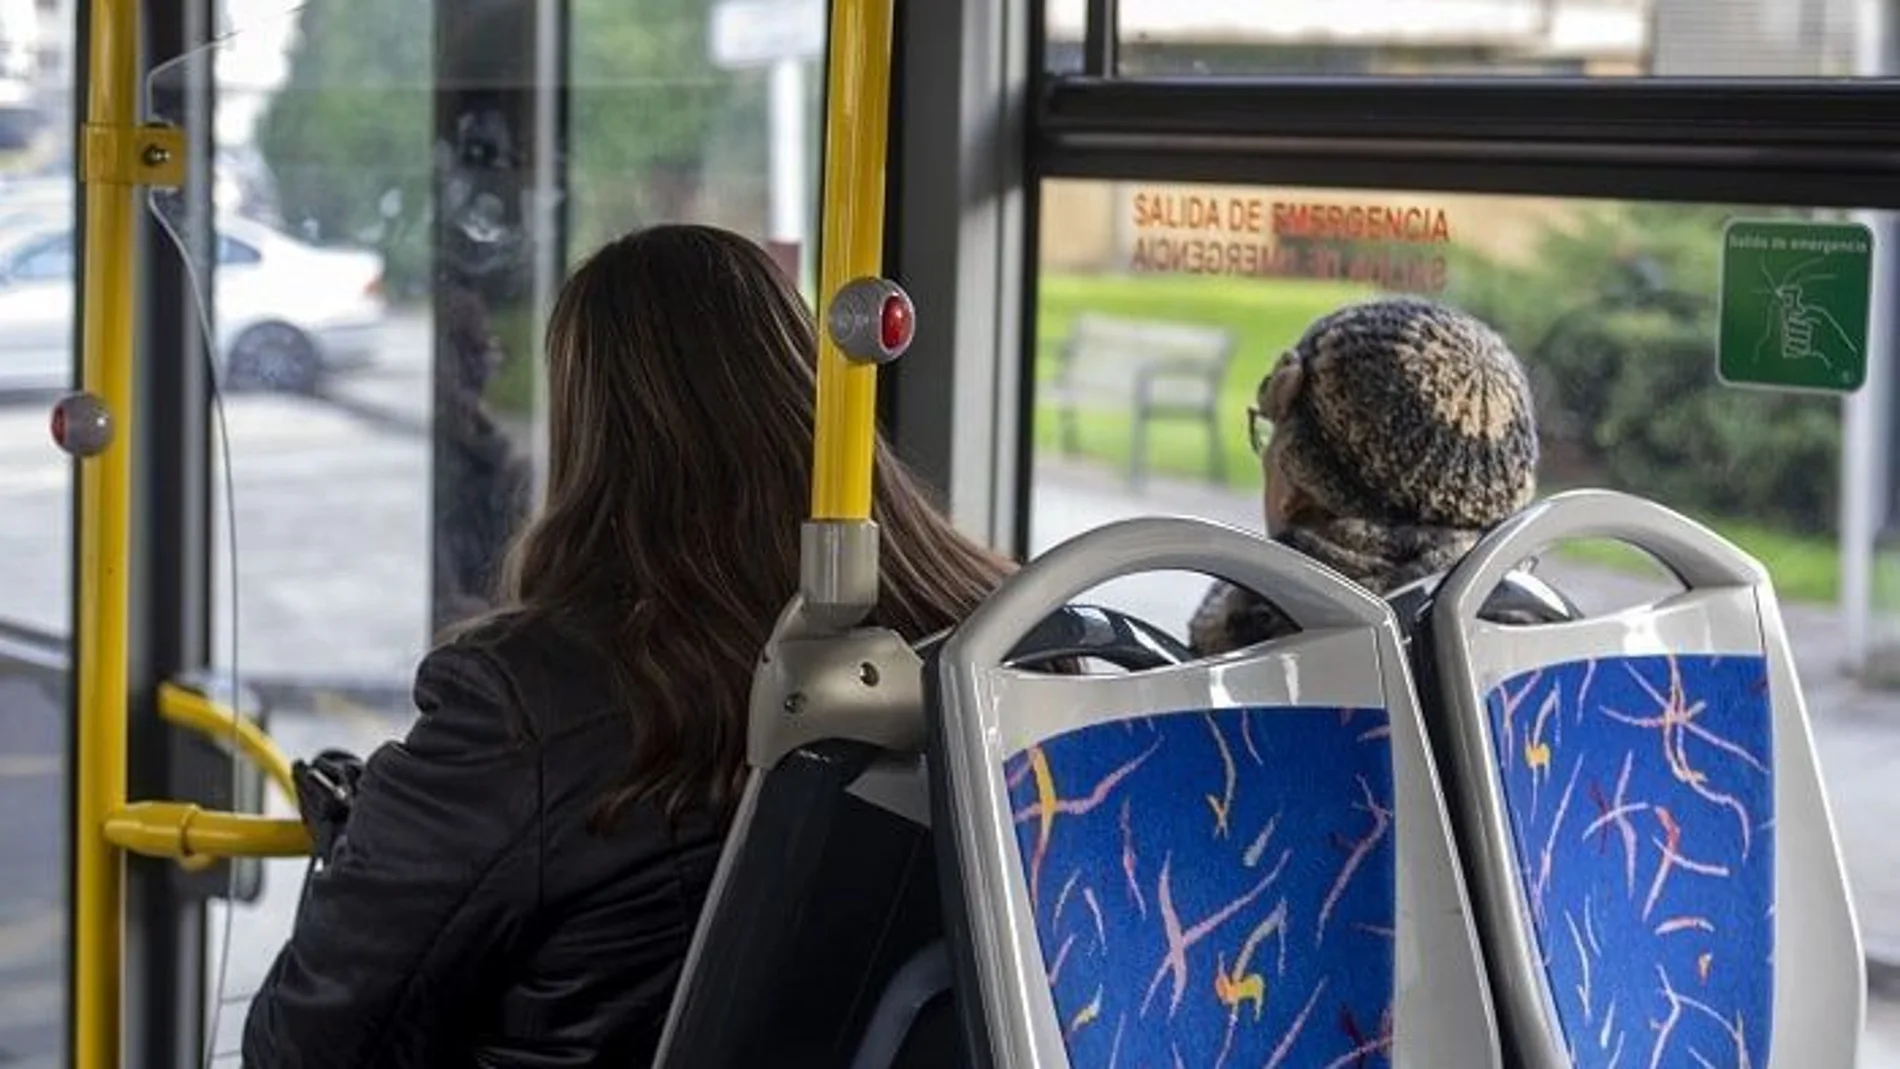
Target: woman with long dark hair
519, 877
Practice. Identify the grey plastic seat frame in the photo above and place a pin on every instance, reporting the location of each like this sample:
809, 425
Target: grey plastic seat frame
1819, 999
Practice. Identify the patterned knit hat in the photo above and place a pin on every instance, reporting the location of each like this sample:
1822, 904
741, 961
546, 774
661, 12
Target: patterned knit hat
1402, 411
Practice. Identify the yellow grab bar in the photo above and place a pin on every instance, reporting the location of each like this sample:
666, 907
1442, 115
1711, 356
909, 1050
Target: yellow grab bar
189, 709
184, 832
857, 118
194, 836
110, 175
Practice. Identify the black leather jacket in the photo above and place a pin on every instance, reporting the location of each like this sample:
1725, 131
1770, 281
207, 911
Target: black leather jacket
469, 917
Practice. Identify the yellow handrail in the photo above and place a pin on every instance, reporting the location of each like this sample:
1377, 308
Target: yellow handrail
104, 538
194, 711
194, 836
857, 131
184, 832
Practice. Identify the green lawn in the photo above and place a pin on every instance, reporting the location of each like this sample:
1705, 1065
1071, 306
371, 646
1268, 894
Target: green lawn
1266, 318
1805, 568
512, 390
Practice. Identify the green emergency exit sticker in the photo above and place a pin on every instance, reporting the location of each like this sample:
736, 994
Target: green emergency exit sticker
1794, 305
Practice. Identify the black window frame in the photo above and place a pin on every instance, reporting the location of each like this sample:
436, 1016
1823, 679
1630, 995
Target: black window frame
1813, 142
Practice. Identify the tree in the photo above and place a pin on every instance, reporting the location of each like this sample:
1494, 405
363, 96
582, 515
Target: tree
1616, 318
350, 142
650, 115
347, 139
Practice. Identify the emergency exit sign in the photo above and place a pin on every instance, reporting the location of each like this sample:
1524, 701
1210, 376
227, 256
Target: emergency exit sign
1795, 303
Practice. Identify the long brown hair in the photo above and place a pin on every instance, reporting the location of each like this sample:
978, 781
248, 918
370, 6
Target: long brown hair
680, 386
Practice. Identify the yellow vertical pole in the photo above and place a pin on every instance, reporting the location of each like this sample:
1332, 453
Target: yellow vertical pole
857, 117
104, 537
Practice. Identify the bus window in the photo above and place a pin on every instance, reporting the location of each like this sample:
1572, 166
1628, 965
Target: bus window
1613, 309
381, 397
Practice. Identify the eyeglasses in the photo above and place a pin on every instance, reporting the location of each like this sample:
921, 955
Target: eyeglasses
1259, 429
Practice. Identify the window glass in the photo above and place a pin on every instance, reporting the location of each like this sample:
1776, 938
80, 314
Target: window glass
1615, 310
324, 353
409, 211
1063, 24
691, 111
1583, 38
325, 428
36, 365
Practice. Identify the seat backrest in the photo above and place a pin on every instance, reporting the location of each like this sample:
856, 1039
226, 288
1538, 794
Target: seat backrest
1620, 784
827, 888
1236, 861
820, 894
1522, 597
1103, 353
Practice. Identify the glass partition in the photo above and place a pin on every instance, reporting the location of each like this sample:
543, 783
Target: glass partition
689, 110
399, 191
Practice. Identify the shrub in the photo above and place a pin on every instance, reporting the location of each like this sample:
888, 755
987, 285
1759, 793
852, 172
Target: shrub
1615, 317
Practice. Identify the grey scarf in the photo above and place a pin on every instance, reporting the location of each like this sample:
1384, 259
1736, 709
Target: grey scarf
1377, 556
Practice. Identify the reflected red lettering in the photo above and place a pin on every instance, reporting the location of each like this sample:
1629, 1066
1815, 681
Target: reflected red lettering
1176, 211
1342, 222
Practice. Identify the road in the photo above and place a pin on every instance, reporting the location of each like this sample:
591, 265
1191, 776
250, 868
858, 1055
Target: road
331, 506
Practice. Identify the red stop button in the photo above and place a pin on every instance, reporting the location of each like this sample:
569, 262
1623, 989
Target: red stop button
81, 424
895, 323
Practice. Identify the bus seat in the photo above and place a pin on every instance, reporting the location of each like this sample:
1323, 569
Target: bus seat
1619, 783
818, 893
1238, 861
1089, 632
1522, 596
827, 888
921, 985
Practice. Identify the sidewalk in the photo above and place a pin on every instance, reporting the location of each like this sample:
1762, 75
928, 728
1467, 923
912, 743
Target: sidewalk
1856, 730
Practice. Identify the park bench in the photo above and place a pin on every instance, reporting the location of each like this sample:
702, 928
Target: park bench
1147, 369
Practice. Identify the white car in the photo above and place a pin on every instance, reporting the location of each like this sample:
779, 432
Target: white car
20, 41
288, 313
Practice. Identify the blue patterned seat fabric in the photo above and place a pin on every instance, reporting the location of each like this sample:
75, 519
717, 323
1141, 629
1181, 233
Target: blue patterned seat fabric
1641, 795
1215, 888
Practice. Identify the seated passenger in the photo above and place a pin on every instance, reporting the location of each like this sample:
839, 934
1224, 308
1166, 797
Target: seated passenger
1400, 431
519, 877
